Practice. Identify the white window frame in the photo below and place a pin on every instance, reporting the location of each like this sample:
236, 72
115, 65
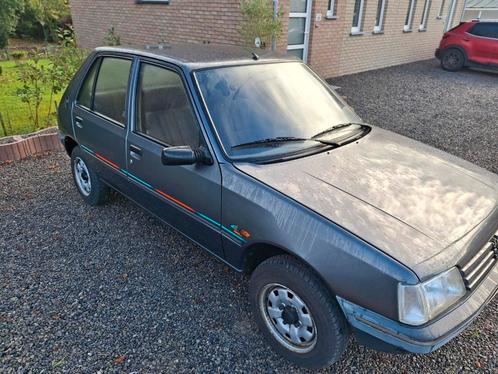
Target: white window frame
332, 10
380, 17
357, 29
409, 21
441, 10
425, 16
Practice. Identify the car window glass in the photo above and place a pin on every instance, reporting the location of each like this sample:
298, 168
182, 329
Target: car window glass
488, 30
111, 87
85, 95
164, 111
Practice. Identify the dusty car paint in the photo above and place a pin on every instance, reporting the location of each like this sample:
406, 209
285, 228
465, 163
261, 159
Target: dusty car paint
364, 216
386, 187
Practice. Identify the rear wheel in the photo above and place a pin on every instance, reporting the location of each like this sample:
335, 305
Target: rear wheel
297, 314
452, 59
90, 187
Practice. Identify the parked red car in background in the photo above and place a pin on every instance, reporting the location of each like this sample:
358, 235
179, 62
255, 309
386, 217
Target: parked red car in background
473, 44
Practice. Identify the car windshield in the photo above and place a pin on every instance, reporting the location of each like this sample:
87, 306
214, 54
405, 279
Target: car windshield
270, 110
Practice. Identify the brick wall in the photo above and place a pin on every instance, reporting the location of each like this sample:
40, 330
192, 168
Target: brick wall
350, 54
332, 50
215, 21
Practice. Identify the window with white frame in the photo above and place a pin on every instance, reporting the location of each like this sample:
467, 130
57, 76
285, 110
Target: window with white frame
359, 6
409, 16
332, 9
379, 19
425, 16
441, 10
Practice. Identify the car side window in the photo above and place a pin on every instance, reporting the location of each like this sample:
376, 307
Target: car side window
86, 91
164, 111
111, 88
488, 30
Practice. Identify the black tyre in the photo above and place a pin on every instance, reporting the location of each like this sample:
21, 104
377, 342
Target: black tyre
90, 187
297, 314
452, 59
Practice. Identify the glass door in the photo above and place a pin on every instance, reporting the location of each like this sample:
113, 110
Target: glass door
299, 28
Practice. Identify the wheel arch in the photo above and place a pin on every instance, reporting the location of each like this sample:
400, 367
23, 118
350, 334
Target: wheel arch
69, 144
256, 253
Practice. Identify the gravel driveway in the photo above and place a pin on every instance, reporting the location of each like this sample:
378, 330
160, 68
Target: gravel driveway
111, 289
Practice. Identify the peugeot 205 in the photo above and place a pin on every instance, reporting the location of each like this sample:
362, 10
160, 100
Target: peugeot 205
344, 227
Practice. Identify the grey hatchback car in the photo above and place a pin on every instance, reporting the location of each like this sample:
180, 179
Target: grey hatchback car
344, 227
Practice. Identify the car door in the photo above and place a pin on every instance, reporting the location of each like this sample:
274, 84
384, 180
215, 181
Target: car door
482, 43
99, 116
187, 196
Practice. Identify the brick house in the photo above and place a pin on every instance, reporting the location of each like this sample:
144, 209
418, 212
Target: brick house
336, 37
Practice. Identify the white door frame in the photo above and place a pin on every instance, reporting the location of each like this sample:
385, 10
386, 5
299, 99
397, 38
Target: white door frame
451, 15
307, 27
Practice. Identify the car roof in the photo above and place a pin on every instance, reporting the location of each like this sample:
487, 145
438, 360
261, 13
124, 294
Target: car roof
198, 56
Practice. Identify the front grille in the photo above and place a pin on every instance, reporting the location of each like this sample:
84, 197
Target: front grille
474, 271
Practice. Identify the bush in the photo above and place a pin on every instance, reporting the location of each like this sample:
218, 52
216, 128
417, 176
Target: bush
19, 55
112, 38
258, 21
41, 18
9, 13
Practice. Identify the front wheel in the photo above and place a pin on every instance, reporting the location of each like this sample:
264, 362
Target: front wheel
452, 59
298, 316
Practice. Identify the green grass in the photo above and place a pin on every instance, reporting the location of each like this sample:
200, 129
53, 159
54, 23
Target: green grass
15, 113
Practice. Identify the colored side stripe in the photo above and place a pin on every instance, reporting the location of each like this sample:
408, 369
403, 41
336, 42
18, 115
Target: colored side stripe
109, 162
137, 179
209, 219
86, 149
169, 197
234, 234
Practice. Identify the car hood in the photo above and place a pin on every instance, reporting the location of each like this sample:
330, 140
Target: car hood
417, 204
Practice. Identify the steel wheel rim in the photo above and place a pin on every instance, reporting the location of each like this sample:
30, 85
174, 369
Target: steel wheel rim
288, 318
82, 176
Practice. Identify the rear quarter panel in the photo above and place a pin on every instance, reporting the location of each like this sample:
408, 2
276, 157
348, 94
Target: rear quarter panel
64, 113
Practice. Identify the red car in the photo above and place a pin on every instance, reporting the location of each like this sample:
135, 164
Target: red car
473, 44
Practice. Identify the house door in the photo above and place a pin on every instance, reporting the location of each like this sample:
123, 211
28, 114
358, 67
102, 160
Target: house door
299, 28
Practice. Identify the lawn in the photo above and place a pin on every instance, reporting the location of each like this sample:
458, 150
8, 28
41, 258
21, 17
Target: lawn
15, 113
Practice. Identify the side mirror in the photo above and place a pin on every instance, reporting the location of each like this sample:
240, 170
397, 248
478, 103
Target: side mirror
185, 155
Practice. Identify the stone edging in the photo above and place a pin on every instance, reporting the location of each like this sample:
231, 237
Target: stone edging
14, 148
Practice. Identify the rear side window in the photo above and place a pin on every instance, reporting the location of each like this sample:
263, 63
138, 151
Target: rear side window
111, 88
488, 30
164, 111
85, 95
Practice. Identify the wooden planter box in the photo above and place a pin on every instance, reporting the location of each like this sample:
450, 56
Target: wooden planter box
13, 148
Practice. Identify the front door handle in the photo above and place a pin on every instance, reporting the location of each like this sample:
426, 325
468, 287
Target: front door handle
135, 152
78, 121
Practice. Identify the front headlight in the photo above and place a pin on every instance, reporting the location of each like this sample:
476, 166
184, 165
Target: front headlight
420, 303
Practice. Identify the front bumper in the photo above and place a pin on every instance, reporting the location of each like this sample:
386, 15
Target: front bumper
432, 335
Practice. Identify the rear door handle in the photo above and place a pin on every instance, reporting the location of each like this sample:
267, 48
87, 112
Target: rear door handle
135, 152
78, 121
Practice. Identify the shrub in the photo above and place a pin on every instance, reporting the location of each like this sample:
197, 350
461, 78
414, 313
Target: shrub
32, 76
19, 55
112, 38
258, 21
41, 18
9, 13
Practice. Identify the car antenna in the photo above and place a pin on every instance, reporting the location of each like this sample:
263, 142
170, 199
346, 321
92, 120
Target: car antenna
255, 57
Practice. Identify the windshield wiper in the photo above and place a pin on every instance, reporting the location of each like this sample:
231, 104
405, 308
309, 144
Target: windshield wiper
280, 139
331, 129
